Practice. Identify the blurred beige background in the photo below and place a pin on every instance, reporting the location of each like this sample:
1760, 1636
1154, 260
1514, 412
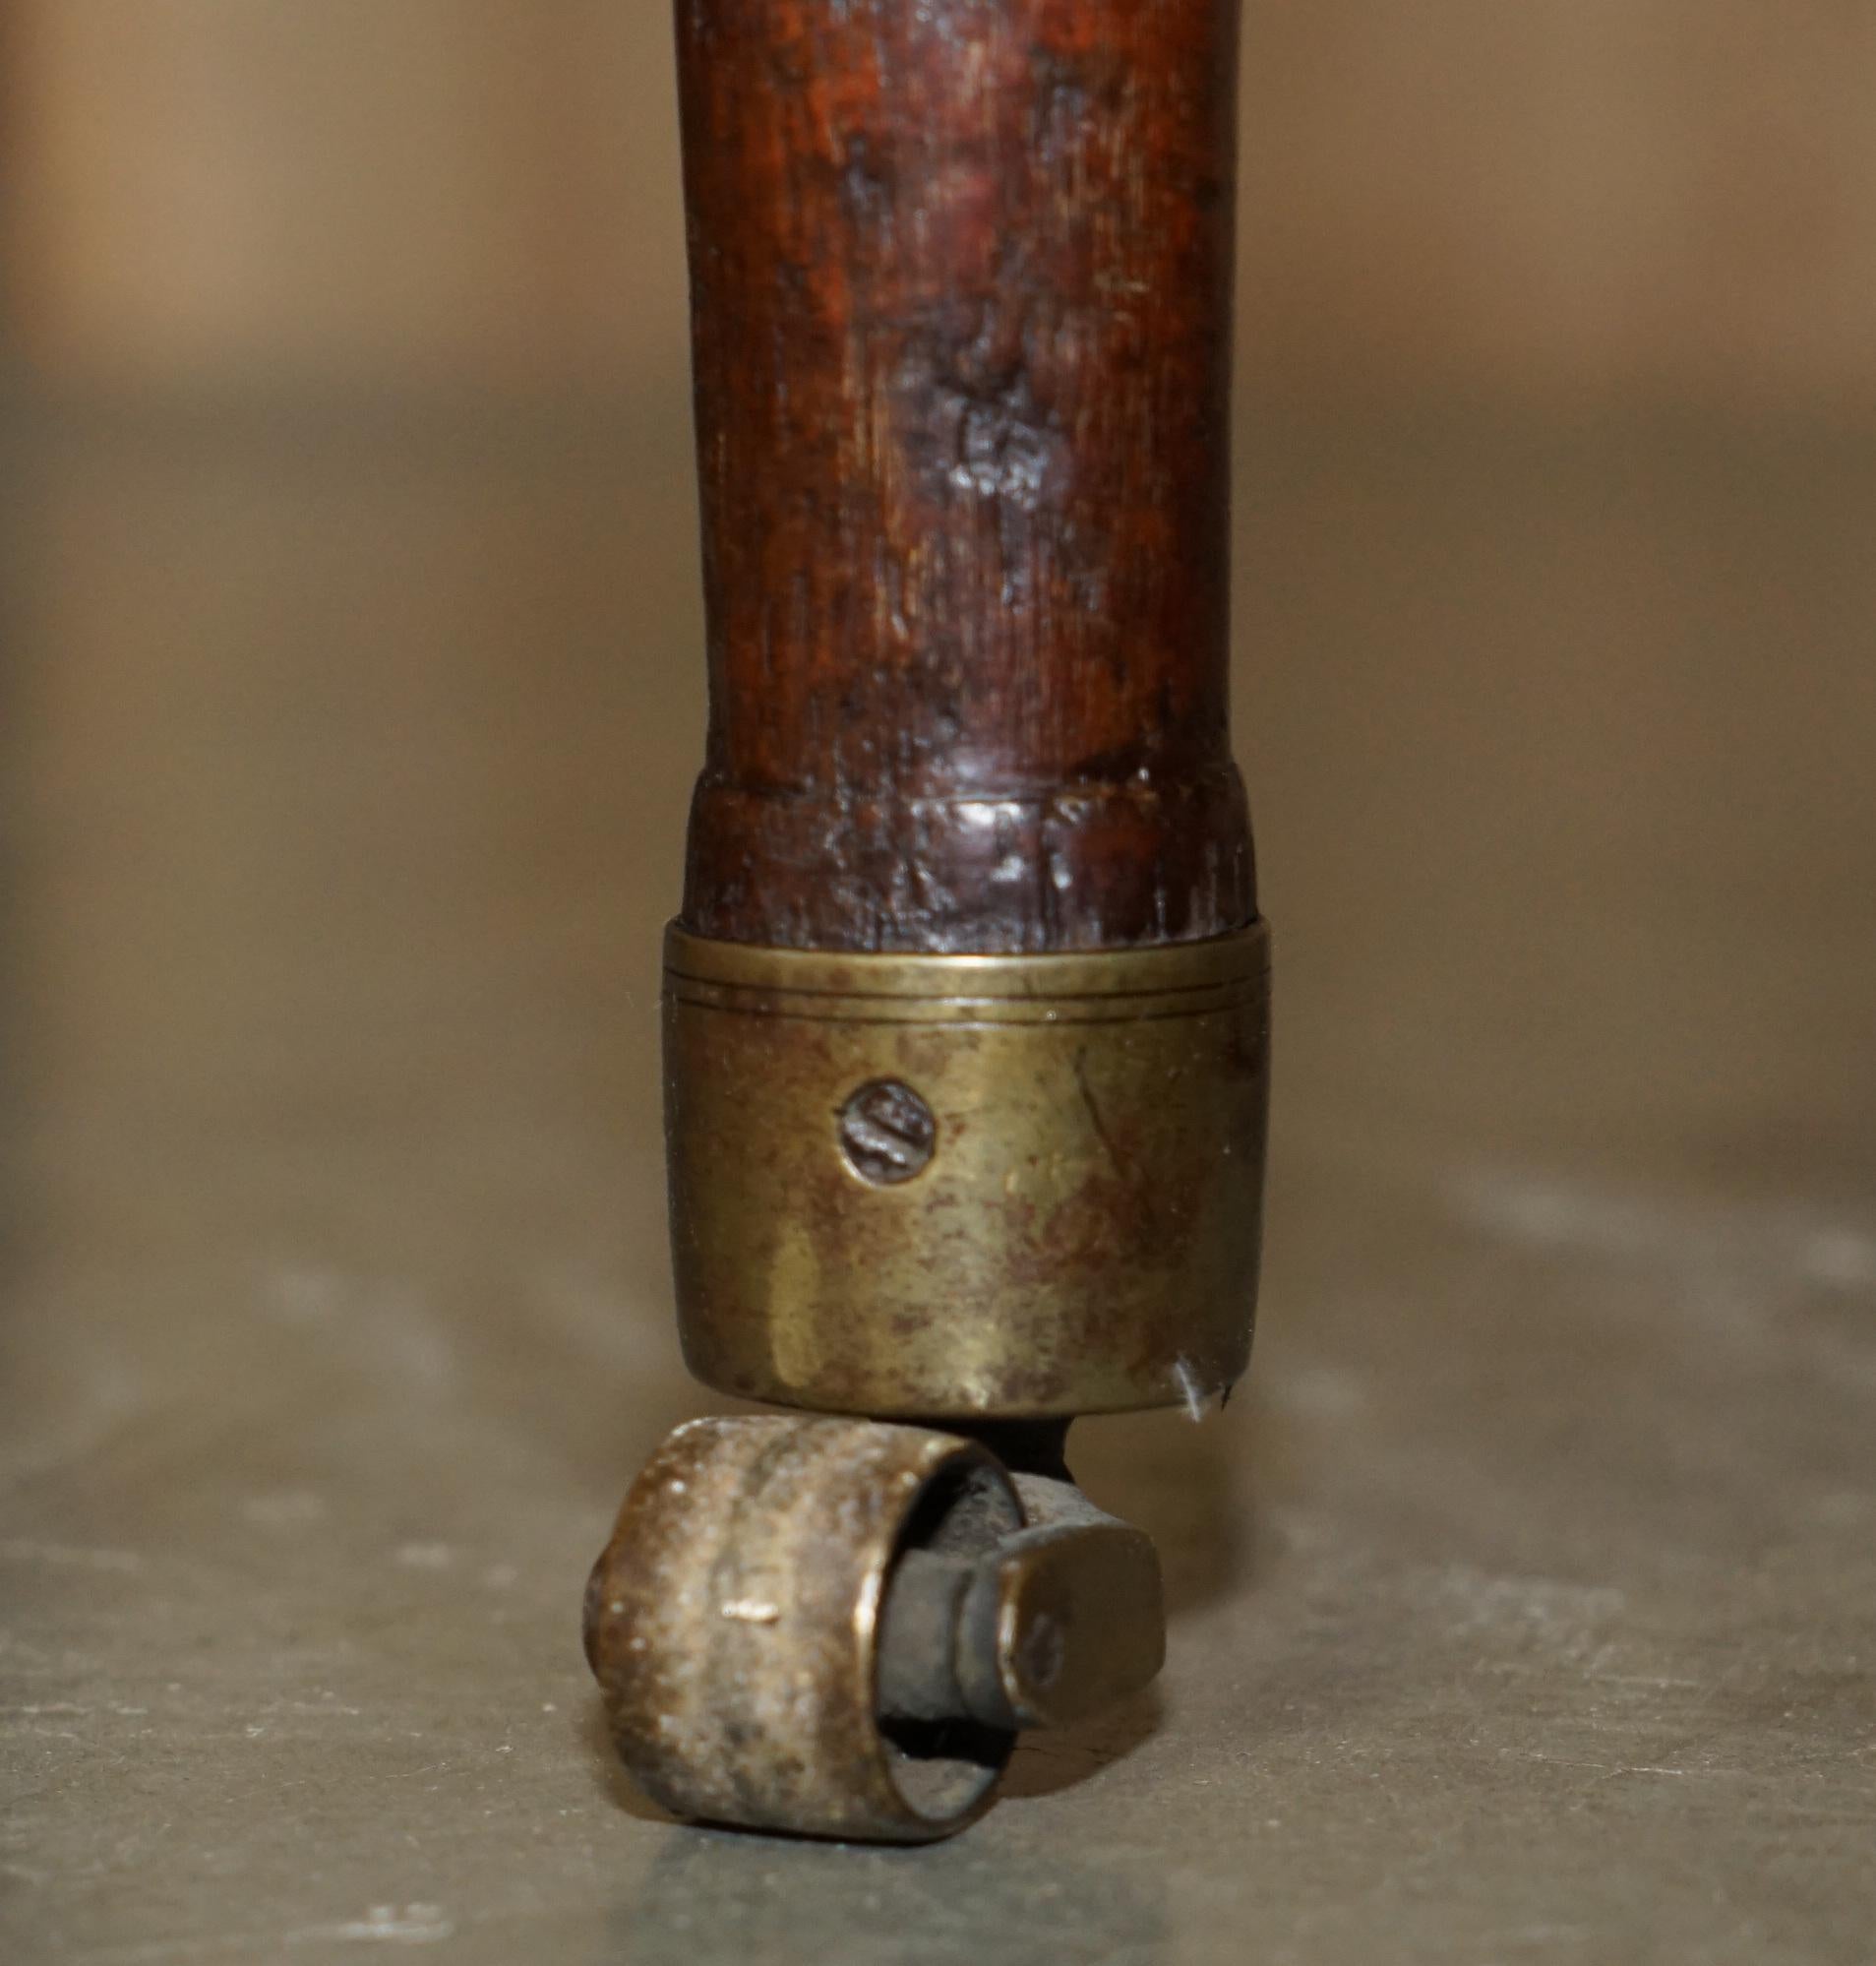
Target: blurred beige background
351, 694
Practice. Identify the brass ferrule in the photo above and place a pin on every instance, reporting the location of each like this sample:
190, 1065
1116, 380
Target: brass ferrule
967, 1187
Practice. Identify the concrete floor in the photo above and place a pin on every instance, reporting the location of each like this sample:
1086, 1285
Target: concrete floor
1525, 1603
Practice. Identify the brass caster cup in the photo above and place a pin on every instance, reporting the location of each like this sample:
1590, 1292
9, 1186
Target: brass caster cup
967, 1188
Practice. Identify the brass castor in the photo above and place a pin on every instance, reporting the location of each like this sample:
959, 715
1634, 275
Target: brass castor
1002, 1189
837, 1627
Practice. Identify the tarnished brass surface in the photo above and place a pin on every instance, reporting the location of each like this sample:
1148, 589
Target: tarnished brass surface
960, 1187
733, 1623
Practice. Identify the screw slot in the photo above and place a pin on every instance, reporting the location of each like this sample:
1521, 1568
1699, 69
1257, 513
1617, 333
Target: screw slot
888, 1132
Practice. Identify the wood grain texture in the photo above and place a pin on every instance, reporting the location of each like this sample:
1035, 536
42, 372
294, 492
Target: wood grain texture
961, 283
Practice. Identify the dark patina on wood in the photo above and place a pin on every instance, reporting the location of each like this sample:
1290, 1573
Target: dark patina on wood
961, 278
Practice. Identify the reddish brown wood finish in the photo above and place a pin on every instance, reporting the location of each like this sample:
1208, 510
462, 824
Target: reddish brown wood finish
961, 280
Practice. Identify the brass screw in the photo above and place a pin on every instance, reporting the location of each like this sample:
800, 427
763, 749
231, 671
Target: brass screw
888, 1132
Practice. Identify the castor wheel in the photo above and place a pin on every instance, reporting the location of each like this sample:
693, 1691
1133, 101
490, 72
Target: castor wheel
837, 1627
